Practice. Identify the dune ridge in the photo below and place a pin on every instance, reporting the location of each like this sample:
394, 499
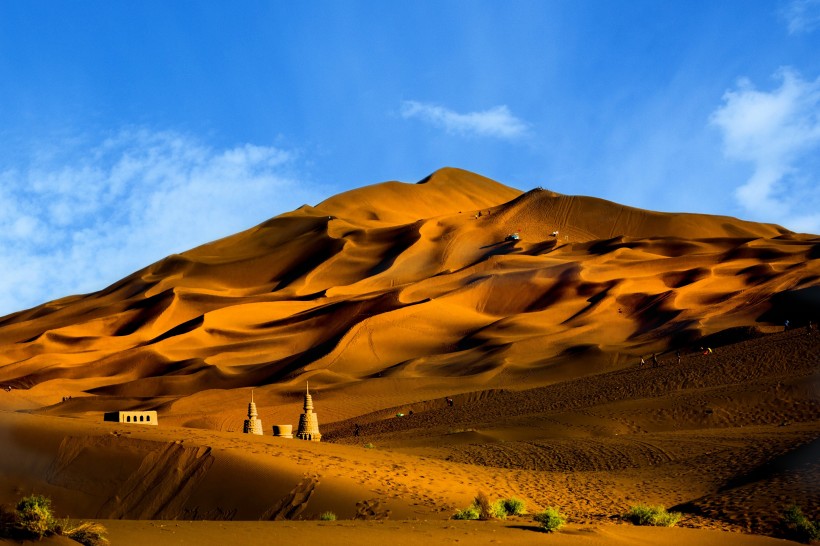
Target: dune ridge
327, 291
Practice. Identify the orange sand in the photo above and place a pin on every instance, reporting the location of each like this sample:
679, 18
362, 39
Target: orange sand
390, 298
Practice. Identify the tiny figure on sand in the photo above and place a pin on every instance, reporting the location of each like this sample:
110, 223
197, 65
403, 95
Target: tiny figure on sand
655, 363
449, 401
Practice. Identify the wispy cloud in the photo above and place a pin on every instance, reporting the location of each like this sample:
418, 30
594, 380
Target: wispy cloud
497, 122
802, 16
78, 217
778, 132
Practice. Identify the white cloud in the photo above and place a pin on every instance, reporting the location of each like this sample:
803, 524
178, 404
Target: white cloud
778, 132
802, 16
496, 122
81, 218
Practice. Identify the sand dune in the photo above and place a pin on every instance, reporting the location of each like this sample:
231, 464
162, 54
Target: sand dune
389, 298
328, 290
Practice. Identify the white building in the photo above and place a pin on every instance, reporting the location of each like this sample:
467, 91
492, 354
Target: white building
132, 417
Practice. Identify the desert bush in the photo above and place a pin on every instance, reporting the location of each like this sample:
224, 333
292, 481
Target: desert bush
497, 509
87, 532
513, 506
643, 514
485, 508
33, 516
327, 516
550, 519
368, 445
471, 512
796, 526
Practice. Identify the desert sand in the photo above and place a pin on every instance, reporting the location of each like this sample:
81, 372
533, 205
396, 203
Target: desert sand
391, 298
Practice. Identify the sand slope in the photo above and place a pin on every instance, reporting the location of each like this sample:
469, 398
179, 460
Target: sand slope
389, 298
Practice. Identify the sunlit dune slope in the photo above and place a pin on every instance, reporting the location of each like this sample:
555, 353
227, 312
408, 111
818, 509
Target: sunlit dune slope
731, 435
413, 283
729, 438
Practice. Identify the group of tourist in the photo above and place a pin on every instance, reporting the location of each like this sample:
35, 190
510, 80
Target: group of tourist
810, 328
678, 357
357, 429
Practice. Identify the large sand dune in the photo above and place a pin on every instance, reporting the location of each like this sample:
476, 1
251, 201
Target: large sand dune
389, 298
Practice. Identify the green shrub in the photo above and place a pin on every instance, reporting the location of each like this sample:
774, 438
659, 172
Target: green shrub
327, 516
513, 506
643, 514
550, 519
368, 445
34, 516
497, 509
796, 526
88, 532
483, 509
471, 512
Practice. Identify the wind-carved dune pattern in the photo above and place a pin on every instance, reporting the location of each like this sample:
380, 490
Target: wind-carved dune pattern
158, 488
161, 484
294, 503
392, 298
414, 280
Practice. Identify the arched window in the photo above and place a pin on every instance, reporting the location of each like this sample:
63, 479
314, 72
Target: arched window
148, 418
140, 418
127, 418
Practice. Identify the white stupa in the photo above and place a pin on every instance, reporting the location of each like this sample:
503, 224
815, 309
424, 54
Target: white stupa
308, 421
253, 425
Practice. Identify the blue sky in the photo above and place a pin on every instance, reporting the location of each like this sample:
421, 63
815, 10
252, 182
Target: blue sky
133, 130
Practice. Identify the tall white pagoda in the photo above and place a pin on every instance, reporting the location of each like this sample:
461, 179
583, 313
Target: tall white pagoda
308, 421
253, 425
